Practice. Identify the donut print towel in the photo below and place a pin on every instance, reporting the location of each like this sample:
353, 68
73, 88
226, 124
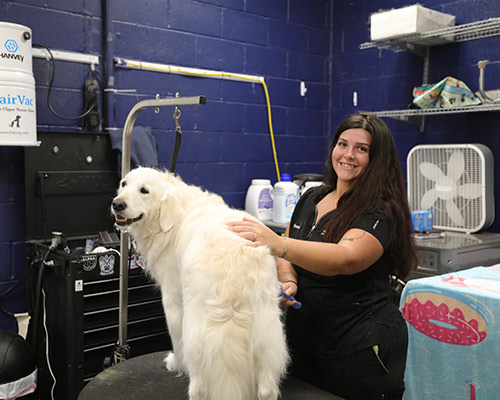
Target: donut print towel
454, 330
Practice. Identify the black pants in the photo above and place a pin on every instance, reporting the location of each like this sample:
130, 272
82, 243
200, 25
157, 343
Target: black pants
365, 375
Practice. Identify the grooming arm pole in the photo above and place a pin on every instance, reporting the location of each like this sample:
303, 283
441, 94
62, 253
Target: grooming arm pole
122, 349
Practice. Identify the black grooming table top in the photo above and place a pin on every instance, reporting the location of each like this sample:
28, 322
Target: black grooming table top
145, 377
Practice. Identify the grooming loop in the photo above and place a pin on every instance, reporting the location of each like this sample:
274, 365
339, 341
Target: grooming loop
178, 135
176, 116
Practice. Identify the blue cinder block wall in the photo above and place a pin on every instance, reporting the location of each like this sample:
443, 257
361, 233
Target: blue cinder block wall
226, 142
384, 79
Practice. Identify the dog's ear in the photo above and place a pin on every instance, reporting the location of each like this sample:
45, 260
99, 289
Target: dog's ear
169, 212
171, 203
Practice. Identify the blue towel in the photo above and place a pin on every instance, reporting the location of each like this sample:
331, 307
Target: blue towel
143, 150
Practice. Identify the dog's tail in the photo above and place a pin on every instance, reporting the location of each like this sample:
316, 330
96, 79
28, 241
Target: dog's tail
237, 343
233, 371
222, 360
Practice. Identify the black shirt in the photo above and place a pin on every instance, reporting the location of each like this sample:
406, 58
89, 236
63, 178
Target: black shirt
339, 313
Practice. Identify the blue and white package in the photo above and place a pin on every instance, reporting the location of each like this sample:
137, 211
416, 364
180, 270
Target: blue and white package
422, 221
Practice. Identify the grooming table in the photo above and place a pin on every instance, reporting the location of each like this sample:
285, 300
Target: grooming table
454, 335
145, 377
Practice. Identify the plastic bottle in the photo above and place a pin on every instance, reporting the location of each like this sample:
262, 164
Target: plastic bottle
258, 201
284, 199
308, 185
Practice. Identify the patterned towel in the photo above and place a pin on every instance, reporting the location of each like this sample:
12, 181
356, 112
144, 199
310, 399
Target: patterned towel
448, 93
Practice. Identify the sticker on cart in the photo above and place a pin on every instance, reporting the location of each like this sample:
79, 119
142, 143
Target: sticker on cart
89, 262
107, 264
79, 285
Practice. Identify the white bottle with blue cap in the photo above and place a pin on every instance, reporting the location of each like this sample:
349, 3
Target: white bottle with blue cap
285, 197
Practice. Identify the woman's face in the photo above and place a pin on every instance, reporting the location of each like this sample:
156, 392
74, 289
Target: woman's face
351, 154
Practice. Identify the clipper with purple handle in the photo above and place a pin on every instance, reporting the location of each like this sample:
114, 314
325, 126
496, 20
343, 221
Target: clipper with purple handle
291, 298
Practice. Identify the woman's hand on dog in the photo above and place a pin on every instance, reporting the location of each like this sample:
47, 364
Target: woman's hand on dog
257, 234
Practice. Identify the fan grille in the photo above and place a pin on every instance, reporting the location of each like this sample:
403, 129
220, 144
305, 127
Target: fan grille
449, 184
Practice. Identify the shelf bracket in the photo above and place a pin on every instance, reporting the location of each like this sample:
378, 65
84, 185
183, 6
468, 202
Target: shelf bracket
417, 120
419, 50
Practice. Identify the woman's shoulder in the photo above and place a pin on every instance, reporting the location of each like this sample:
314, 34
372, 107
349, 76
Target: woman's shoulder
377, 213
375, 221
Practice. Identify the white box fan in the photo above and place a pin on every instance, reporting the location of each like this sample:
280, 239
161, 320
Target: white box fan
455, 182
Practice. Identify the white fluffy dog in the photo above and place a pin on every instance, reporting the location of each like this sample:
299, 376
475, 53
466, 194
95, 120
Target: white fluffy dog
221, 297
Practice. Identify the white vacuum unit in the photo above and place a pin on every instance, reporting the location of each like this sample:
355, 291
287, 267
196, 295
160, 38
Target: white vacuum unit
455, 182
17, 87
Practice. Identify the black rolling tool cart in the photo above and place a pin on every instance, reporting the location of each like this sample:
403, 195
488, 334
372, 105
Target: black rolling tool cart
73, 265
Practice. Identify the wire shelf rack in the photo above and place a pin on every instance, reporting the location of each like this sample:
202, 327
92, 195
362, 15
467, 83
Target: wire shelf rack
459, 33
417, 116
420, 44
437, 111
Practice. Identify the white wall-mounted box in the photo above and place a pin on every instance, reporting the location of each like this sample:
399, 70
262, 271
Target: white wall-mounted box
406, 21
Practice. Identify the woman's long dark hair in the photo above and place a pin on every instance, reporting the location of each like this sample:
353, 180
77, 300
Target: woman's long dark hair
379, 186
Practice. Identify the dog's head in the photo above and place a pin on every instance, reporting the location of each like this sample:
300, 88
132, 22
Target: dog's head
146, 197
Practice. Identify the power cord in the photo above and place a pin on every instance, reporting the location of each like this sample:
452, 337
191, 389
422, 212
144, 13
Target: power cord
47, 347
6, 292
57, 239
92, 104
39, 310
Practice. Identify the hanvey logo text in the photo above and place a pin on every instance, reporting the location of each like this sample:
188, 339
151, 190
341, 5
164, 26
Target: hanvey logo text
11, 47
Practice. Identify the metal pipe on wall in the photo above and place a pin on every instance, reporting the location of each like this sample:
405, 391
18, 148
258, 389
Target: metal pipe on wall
109, 91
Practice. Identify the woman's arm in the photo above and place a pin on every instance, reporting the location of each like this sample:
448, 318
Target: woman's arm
286, 272
356, 251
288, 278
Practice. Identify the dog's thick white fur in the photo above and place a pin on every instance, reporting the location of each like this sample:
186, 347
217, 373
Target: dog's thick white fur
220, 296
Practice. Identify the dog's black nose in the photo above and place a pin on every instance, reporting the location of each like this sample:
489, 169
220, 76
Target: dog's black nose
119, 205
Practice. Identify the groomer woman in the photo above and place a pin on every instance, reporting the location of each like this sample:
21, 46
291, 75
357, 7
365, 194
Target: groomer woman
344, 240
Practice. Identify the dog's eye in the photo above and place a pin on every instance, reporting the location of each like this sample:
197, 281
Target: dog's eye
124, 184
144, 190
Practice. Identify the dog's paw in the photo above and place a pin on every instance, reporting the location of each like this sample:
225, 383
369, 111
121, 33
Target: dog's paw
171, 362
267, 394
